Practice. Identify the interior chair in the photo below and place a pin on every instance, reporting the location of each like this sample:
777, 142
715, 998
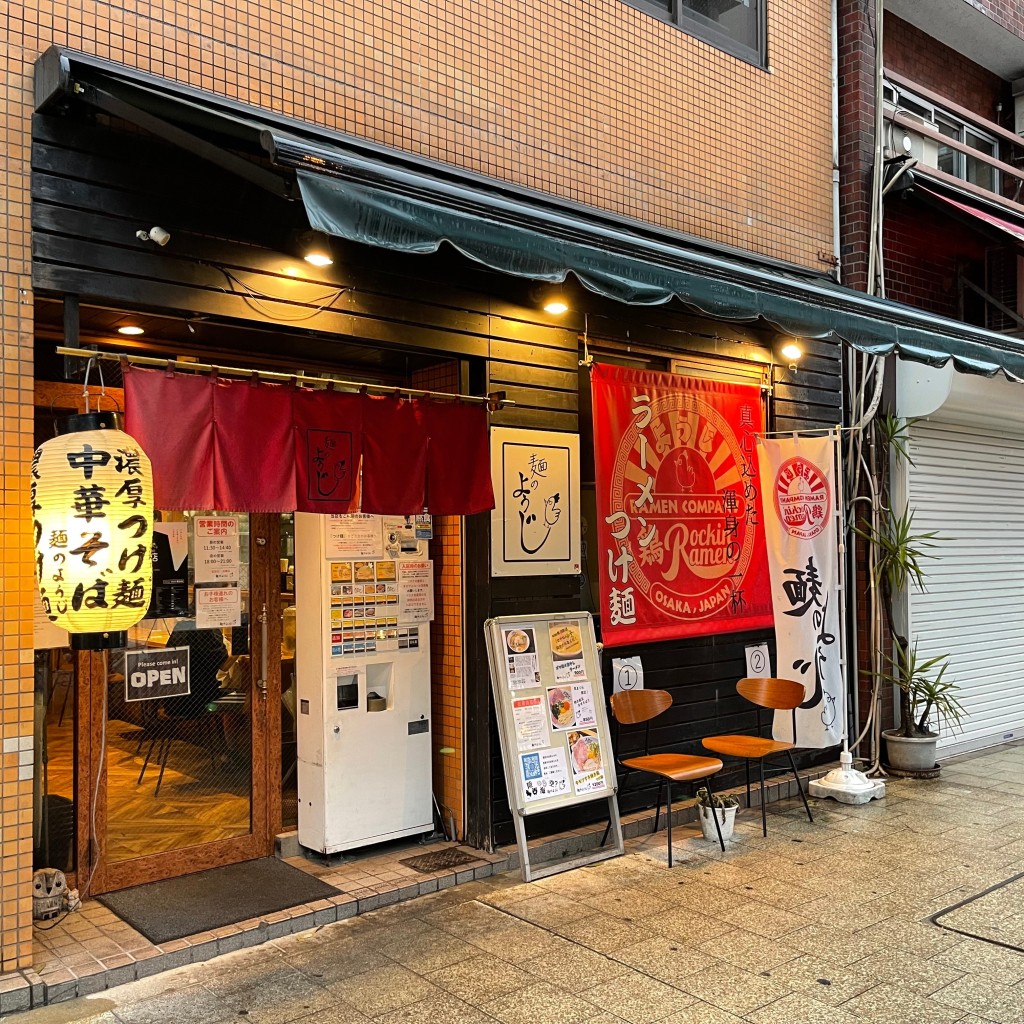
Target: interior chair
776, 695
635, 707
193, 717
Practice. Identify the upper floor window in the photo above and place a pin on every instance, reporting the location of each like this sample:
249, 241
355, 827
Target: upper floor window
736, 26
957, 161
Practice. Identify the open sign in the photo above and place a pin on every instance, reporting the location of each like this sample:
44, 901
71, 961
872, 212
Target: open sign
153, 675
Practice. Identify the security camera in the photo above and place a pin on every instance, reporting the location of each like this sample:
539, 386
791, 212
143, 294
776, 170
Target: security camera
154, 234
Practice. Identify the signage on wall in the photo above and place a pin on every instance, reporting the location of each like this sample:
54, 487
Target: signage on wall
681, 545
156, 674
216, 549
355, 535
535, 525
627, 674
218, 607
170, 571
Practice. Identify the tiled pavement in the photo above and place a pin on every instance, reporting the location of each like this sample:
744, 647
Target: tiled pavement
818, 924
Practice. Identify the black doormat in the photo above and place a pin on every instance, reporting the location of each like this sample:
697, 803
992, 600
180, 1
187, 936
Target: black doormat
210, 899
995, 915
439, 860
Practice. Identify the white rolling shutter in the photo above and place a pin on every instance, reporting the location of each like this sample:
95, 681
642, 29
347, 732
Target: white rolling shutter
967, 483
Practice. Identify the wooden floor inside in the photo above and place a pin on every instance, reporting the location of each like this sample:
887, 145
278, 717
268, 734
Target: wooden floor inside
204, 795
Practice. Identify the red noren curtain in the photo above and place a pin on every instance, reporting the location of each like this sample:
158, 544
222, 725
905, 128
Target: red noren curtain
246, 446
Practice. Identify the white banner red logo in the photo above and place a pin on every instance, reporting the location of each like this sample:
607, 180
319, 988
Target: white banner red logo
679, 507
803, 559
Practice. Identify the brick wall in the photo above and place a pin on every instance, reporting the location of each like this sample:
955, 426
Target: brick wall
856, 132
1008, 13
595, 102
914, 54
923, 250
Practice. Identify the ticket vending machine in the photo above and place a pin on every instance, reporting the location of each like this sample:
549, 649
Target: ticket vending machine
364, 600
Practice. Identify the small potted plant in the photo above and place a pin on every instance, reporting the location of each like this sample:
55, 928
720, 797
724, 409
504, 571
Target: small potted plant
924, 692
725, 808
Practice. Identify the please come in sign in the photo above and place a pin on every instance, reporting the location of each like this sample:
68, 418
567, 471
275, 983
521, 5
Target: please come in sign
155, 674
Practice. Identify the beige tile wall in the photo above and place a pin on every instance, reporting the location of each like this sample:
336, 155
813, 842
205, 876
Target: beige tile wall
592, 101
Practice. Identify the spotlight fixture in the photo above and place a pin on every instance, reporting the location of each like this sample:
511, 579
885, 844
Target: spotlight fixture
161, 236
552, 300
131, 329
791, 351
314, 247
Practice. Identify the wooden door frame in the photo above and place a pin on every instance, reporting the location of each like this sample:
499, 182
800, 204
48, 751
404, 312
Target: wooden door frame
95, 874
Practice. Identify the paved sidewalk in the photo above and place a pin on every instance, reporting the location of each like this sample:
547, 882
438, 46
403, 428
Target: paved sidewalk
817, 924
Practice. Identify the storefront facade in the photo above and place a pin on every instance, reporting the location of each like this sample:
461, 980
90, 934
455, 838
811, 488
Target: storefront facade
163, 181
599, 132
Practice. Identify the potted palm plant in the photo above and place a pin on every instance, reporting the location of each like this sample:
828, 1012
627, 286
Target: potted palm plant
927, 697
725, 808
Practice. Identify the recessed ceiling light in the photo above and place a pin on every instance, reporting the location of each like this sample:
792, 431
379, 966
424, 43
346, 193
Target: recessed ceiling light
130, 330
318, 258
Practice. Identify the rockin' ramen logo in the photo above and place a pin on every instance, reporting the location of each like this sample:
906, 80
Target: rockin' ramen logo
681, 478
802, 498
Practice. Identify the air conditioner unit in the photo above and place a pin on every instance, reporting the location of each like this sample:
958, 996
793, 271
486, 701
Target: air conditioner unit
922, 148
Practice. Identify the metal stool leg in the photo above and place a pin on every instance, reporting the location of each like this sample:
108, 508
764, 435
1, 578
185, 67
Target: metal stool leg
164, 751
792, 764
711, 798
145, 764
657, 813
668, 816
764, 810
746, 768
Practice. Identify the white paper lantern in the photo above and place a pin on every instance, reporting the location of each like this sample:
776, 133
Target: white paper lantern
92, 512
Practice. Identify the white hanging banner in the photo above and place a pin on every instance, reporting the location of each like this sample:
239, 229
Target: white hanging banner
798, 484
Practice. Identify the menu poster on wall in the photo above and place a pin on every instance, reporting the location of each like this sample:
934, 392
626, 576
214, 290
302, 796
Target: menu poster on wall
544, 774
218, 607
358, 535
521, 658
216, 549
415, 591
530, 721
567, 651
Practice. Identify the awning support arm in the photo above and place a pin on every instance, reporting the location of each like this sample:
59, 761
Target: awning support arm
494, 400
237, 165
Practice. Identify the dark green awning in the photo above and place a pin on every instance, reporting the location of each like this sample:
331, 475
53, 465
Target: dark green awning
371, 202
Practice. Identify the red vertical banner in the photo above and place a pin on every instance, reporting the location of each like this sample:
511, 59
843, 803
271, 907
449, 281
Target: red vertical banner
681, 540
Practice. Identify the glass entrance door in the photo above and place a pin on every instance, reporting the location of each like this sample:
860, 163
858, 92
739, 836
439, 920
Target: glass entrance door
178, 730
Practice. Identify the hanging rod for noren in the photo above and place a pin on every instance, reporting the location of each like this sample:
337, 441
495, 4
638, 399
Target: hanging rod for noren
494, 400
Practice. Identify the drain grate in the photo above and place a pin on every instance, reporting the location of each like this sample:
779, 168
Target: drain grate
439, 860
